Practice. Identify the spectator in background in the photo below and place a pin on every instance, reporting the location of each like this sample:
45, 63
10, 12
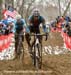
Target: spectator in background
67, 29
60, 21
10, 28
68, 19
5, 21
10, 8
57, 19
2, 31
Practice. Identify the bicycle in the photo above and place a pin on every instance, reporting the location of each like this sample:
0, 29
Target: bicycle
37, 50
19, 46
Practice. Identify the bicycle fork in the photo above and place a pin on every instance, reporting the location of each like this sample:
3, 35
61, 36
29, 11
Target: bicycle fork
37, 54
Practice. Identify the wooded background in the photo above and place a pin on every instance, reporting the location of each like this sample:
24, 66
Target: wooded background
50, 9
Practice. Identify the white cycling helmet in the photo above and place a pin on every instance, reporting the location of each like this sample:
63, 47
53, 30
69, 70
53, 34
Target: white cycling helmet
36, 12
18, 17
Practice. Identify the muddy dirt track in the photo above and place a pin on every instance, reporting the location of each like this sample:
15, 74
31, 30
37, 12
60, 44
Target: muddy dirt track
52, 64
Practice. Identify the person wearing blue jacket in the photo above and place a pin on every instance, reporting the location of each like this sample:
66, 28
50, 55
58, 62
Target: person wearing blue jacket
20, 26
34, 22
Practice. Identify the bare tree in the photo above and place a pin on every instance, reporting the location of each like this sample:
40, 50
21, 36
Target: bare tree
28, 9
66, 9
22, 8
8, 2
59, 7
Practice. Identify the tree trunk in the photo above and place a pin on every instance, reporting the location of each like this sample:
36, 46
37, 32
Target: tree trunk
28, 10
3, 4
59, 7
0, 9
65, 12
21, 8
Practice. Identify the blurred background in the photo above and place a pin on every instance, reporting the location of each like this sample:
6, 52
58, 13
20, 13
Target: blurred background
50, 9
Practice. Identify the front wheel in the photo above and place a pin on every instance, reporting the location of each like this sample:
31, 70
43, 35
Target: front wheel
38, 56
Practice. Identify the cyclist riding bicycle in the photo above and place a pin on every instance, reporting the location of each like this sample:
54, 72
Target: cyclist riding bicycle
19, 28
34, 22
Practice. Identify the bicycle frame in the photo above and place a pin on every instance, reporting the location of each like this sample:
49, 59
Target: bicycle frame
20, 47
37, 51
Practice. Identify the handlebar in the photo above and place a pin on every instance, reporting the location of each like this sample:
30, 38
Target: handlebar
45, 34
35, 34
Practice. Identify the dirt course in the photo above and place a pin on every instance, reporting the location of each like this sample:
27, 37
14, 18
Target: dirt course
52, 64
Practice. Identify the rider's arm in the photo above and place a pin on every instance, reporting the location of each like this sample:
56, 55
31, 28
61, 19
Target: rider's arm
25, 27
43, 25
24, 23
29, 23
30, 20
44, 28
